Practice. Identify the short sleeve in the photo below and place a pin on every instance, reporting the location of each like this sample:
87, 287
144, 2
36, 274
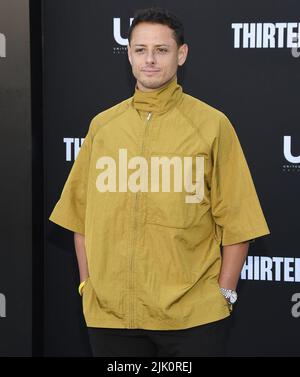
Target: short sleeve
69, 211
235, 205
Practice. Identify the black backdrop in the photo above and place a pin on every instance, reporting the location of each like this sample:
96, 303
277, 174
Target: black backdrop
85, 71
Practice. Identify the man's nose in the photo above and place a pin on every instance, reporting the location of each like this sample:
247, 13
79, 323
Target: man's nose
150, 57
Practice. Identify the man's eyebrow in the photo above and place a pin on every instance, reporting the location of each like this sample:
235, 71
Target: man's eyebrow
158, 45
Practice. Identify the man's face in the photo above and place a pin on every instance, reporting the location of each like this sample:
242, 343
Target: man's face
154, 55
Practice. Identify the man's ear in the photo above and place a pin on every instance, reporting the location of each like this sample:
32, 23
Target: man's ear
182, 54
129, 53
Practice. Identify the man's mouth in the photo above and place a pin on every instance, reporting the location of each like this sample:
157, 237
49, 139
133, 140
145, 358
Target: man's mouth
150, 70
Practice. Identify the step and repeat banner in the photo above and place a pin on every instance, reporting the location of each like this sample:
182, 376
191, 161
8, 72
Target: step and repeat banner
244, 59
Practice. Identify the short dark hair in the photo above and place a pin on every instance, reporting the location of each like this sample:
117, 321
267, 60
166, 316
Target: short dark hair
159, 16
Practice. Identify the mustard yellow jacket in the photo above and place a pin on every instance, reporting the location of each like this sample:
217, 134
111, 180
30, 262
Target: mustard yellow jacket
153, 258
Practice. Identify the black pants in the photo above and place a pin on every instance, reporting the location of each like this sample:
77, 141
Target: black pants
204, 340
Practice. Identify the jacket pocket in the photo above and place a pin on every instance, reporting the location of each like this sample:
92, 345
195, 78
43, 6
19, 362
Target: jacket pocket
176, 192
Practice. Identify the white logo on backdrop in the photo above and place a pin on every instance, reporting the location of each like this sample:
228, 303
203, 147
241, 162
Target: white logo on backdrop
271, 269
73, 145
117, 31
266, 35
2, 46
121, 41
289, 156
287, 150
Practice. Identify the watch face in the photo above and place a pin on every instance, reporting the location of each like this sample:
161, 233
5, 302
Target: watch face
233, 297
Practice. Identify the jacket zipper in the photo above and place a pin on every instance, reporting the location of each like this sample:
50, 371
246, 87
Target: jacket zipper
131, 320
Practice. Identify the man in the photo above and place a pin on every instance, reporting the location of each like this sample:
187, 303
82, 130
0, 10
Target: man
153, 279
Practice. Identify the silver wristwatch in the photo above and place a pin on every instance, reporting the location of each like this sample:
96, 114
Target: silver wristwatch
229, 294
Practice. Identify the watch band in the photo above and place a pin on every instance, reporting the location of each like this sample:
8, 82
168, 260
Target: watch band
229, 294
226, 292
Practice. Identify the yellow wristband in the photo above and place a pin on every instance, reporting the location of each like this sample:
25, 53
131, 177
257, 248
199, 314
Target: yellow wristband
81, 285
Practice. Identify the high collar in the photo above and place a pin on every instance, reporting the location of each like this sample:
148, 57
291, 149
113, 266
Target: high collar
160, 100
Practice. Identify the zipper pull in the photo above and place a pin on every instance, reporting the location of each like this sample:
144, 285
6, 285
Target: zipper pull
149, 116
